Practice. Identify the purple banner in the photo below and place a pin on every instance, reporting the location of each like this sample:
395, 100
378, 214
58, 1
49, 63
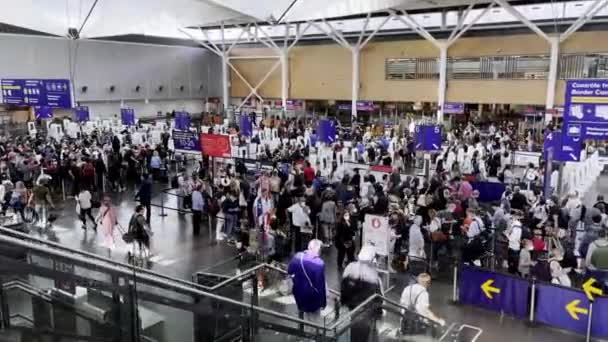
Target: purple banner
37, 92
586, 109
186, 141
127, 116
294, 104
182, 121
562, 308
427, 138
493, 291
81, 114
43, 112
326, 130
245, 125
453, 108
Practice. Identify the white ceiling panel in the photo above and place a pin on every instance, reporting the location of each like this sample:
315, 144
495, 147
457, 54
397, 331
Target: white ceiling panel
262, 10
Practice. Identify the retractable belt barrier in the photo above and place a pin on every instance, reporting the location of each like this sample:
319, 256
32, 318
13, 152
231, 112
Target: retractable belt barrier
581, 311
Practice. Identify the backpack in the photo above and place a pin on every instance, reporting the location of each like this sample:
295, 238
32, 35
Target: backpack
88, 170
542, 271
599, 258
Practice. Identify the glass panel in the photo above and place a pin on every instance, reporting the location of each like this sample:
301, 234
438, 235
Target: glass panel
532, 67
464, 68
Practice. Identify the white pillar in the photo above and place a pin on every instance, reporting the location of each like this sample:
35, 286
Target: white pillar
284, 77
552, 78
225, 82
441, 88
355, 82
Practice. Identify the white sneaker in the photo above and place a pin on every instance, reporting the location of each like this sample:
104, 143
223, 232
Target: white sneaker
477, 263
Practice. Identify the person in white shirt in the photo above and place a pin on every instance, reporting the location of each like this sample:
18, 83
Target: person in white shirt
300, 219
514, 236
83, 201
476, 226
559, 275
415, 298
416, 240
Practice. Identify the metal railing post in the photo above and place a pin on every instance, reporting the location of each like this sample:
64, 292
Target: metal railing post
455, 285
63, 188
589, 319
5, 323
533, 302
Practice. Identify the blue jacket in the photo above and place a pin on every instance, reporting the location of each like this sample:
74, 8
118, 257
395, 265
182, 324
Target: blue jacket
144, 195
309, 294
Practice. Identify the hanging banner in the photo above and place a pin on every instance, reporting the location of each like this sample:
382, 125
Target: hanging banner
586, 109
326, 131
43, 112
186, 141
493, 291
37, 92
215, 145
562, 308
127, 116
182, 121
81, 114
245, 125
376, 232
427, 138
453, 108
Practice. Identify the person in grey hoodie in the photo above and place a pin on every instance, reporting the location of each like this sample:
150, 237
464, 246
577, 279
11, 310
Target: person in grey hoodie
597, 254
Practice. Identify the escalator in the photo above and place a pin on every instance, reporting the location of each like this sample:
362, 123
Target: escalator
61, 294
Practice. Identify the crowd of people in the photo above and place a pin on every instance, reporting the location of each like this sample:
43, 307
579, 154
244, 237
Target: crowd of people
301, 198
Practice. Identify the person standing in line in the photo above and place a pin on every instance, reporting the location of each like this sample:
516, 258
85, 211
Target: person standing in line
144, 195
84, 203
514, 235
345, 236
197, 210
41, 200
307, 271
299, 219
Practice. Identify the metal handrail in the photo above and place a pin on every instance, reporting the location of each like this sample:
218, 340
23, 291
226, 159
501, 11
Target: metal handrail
55, 245
154, 280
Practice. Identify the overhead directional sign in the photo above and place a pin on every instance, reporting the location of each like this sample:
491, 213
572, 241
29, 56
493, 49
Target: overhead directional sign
37, 92
493, 291
427, 138
586, 109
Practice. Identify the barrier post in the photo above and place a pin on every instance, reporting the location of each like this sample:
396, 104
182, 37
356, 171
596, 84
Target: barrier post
162, 204
455, 285
63, 188
589, 319
532, 302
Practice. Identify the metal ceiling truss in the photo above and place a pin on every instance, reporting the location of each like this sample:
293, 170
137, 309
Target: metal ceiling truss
361, 39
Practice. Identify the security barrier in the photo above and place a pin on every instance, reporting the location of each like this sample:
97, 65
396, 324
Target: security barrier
581, 311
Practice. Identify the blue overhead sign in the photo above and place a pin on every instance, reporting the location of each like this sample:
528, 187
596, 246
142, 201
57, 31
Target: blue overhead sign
43, 112
36, 92
565, 148
427, 138
127, 116
586, 109
326, 130
182, 121
186, 141
81, 113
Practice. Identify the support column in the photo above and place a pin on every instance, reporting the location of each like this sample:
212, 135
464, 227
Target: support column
443, 69
552, 78
225, 83
355, 83
284, 77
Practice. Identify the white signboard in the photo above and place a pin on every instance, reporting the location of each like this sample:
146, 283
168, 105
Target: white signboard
376, 232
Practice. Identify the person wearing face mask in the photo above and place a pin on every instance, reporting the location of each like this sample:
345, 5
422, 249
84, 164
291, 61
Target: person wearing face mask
345, 235
416, 240
559, 275
300, 218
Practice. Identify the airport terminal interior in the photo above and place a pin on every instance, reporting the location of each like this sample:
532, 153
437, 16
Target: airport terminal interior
303, 170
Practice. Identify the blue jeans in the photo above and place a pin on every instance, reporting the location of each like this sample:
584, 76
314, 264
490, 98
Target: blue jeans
230, 224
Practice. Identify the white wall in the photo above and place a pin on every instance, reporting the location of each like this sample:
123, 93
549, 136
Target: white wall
98, 65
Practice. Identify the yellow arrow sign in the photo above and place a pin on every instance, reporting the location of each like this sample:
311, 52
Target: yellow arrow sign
488, 289
573, 309
591, 290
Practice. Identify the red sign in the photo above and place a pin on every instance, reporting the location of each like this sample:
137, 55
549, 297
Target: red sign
381, 168
215, 145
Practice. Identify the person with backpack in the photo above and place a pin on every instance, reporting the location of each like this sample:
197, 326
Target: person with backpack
597, 253
139, 230
415, 298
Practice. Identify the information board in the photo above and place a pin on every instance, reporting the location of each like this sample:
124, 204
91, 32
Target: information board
127, 116
182, 121
376, 233
186, 141
81, 114
37, 92
43, 112
563, 149
427, 138
586, 110
215, 145
245, 125
326, 131
453, 108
